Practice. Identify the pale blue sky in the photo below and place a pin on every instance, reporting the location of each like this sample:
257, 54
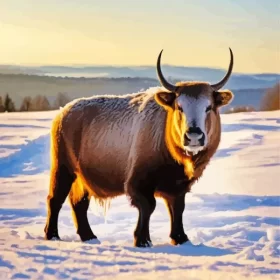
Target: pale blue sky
192, 33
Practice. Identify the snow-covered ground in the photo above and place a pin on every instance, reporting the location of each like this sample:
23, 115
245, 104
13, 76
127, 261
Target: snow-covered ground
231, 217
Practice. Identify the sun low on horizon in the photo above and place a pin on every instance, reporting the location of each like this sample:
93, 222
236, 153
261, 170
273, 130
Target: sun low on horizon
192, 33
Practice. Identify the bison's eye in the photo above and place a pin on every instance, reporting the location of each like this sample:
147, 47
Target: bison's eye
209, 108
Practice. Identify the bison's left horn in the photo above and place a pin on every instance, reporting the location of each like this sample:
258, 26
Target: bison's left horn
220, 84
162, 80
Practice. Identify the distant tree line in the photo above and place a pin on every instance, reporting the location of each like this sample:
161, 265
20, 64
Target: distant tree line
271, 99
270, 102
37, 103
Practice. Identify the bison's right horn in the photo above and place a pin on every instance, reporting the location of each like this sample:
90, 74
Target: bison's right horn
220, 84
162, 80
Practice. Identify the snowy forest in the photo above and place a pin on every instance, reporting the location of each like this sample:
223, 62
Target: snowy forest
29, 104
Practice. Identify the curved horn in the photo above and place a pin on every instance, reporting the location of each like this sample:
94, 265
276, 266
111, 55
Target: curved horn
220, 84
162, 80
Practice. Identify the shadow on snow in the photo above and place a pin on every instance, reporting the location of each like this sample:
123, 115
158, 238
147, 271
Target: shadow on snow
187, 249
33, 158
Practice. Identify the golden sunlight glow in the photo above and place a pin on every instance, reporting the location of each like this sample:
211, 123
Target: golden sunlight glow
72, 33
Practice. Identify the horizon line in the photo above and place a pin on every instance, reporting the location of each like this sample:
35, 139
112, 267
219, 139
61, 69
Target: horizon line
76, 65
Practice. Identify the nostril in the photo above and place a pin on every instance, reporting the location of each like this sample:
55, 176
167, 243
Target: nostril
202, 139
187, 140
187, 137
200, 136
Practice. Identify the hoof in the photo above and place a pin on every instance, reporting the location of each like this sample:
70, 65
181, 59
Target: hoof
52, 237
142, 243
51, 233
179, 239
87, 236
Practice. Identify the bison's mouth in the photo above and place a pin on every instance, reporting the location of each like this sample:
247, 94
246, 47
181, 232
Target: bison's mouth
193, 149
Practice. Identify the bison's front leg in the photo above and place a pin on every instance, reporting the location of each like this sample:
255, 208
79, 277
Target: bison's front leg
143, 199
146, 207
176, 206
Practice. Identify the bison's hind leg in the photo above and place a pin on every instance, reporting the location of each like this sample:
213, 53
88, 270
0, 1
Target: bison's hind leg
60, 184
79, 201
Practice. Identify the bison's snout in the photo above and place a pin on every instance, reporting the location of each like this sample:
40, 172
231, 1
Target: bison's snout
194, 139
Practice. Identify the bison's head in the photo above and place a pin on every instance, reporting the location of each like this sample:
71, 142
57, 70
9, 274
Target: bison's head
193, 107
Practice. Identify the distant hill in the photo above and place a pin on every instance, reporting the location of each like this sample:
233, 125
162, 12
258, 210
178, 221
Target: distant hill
246, 97
20, 85
237, 81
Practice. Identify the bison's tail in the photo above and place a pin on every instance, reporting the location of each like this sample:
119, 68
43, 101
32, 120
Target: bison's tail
99, 206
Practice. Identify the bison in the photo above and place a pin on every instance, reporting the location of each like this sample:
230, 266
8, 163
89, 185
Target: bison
143, 145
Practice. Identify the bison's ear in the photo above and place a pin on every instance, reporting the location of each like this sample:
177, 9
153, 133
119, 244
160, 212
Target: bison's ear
165, 98
223, 97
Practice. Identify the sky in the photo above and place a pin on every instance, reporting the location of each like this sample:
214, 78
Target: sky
133, 32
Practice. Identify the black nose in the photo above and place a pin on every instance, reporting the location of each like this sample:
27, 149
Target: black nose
194, 137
